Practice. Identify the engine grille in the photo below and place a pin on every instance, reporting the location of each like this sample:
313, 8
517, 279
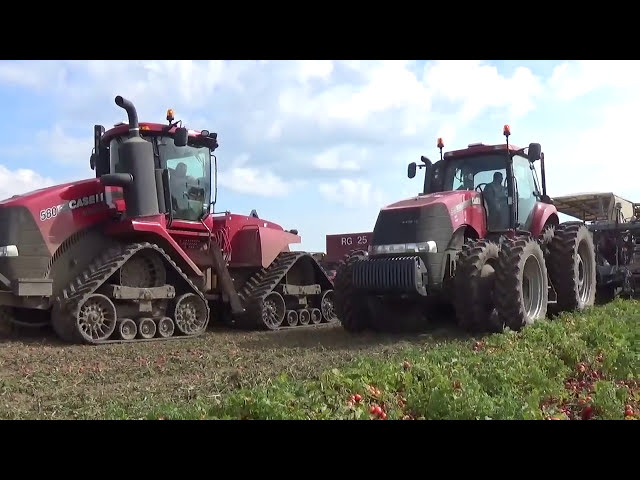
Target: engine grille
390, 275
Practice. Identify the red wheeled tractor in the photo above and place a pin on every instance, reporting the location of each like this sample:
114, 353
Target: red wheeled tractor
135, 254
483, 237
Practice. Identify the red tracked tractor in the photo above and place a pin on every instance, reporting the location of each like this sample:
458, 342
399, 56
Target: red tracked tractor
483, 237
135, 254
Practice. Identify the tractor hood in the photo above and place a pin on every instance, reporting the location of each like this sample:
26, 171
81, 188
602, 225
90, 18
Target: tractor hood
434, 217
54, 191
453, 201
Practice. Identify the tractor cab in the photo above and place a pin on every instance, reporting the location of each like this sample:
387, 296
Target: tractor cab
503, 176
181, 161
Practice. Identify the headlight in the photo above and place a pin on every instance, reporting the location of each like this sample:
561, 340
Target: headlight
421, 247
9, 251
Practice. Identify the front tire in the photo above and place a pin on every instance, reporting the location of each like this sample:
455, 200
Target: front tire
350, 306
521, 283
474, 283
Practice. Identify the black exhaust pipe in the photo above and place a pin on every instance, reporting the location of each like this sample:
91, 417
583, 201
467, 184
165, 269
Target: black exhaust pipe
137, 164
134, 127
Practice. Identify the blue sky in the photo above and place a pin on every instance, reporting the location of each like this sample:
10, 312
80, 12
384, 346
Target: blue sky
321, 145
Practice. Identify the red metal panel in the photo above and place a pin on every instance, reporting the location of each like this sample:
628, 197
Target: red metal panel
340, 244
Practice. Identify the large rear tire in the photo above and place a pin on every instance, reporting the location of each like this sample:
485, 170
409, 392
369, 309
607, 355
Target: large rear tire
521, 283
350, 306
474, 286
572, 267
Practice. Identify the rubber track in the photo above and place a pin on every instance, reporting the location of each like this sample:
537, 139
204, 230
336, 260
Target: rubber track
101, 270
262, 283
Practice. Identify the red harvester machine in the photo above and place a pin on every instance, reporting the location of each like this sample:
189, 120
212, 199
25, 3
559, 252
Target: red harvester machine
135, 254
483, 236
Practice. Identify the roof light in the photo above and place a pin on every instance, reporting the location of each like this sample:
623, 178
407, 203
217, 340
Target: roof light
145, 127
440, 143
170, 115
507, 130
479, 144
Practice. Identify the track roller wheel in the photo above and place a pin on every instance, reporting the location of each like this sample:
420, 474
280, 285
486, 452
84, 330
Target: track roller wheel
350, 305
146, 328
521, 286
166, 327
292, 318
316, 316
127, 329
474, 286
190, 314
572, 267
273, 311
327, 307
304, 317
95, 318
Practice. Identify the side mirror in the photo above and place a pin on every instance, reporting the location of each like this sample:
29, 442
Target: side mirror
534, 151
93, 160
181, 137
411, 170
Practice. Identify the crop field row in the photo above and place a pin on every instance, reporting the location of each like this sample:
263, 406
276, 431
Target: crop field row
578, 366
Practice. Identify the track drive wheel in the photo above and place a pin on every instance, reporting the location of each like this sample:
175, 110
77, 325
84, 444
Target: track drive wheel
273, 311
521, 286
350, 306
572, 267
190, 314
95, 318
327, 306
145, 269
474, 286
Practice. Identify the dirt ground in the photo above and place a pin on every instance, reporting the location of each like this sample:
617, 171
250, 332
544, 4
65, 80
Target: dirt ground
41, 377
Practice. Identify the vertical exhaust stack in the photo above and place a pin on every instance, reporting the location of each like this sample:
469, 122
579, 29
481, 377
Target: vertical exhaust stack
137, 159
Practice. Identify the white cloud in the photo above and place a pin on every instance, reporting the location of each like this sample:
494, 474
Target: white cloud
20, 181
477, 87
312, 69
40, 75
65, 149
574, 79
254, 181
596, 158
342, 157
352, 193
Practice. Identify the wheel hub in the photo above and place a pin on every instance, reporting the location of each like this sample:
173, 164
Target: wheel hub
96, 318
190, 314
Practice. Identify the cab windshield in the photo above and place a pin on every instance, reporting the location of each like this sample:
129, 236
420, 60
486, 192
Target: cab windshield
469, 173
189, 174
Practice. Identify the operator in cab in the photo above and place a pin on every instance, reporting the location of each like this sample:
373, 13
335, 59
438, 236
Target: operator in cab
496, 196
